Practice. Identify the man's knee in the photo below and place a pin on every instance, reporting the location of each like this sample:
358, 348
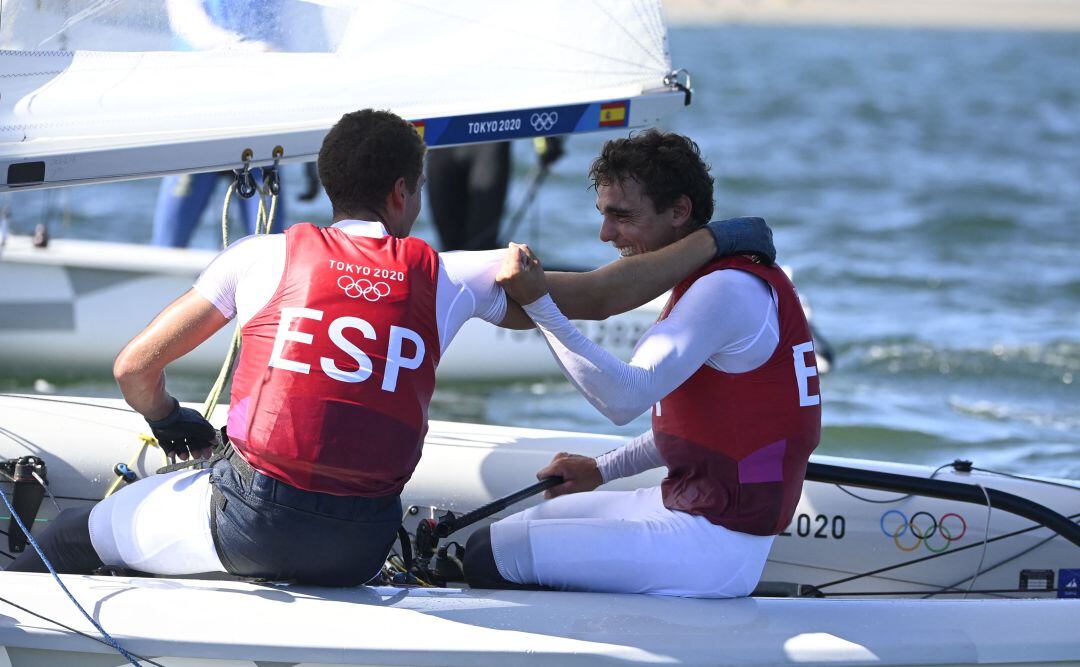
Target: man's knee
66, 543
481, 570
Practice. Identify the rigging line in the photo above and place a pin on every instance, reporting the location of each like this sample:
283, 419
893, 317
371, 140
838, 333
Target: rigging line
633, 38
33, 542
71, 629
986, 535
837, 570
1003, 562
508, 29
983, 591
938, 555
46, 487
1071, 487
39, 481
892, 500
50, 399
225, 215
870, 500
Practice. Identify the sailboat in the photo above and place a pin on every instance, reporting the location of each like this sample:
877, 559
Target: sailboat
882, 564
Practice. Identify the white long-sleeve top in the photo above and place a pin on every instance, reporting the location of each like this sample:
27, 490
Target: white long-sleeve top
726, 319
243, 278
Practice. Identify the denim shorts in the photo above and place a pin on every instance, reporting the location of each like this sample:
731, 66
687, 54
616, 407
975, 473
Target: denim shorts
267, 529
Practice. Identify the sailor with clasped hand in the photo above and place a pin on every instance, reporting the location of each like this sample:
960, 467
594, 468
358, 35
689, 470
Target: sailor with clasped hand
728, 372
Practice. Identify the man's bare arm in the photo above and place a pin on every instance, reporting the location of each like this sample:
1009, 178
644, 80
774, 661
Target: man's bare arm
177, 330
621, 285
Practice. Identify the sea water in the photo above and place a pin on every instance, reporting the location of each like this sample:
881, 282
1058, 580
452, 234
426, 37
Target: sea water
924, 187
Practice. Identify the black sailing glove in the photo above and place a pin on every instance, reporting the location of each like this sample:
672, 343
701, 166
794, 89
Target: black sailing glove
743, 236
183, 430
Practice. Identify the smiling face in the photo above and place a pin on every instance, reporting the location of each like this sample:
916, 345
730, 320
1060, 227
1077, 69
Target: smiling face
652, 188
631, 222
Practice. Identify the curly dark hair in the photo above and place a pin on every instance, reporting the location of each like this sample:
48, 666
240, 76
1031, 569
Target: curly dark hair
665, 164
364, 154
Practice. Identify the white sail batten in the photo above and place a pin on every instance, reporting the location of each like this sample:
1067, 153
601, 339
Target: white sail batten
467, 71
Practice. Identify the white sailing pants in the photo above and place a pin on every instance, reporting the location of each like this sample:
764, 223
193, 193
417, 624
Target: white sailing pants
160, 524
626, 542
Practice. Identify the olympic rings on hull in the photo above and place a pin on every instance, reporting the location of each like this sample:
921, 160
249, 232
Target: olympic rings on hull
354, 289
921, 528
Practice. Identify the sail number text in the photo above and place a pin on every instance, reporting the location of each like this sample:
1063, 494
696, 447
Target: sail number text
820, 526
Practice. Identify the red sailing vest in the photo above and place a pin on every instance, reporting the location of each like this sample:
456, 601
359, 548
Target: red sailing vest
336, 371
736, 444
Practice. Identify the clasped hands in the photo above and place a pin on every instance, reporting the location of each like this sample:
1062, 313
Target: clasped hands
521, 275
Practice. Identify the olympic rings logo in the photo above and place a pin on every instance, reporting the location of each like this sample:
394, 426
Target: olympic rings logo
544, 120
921, 529
354, 289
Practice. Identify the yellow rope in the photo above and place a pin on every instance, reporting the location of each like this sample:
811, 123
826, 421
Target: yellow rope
264, 222
223, 374
273, 213
260, 219
147, 441
225, 215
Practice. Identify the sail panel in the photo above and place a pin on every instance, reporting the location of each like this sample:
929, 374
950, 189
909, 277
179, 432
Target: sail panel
472, 70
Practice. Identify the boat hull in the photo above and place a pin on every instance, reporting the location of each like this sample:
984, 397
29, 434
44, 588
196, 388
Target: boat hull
465, 466
834, 535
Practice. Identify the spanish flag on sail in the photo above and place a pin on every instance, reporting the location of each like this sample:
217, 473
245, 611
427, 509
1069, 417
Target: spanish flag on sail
613, 114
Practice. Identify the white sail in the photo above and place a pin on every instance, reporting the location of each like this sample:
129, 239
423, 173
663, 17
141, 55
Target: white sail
84, 100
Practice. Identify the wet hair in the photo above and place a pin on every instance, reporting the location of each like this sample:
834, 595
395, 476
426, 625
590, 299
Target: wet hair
364, 154
665, 164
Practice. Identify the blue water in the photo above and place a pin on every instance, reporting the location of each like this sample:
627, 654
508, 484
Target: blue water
924, 186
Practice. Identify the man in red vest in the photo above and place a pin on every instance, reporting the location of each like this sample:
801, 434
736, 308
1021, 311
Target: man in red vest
729, 373
342, 329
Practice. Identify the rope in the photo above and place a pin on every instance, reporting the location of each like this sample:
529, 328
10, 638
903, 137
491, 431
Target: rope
986, 536
273, 213
71, 629
225, 215
264, 222
915, 561
147, 440
108, 638
223, 375
46, 487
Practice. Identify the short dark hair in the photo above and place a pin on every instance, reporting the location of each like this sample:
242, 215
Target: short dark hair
364, 154
665, 164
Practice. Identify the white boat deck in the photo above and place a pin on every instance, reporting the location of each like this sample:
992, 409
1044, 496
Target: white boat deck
241, 623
